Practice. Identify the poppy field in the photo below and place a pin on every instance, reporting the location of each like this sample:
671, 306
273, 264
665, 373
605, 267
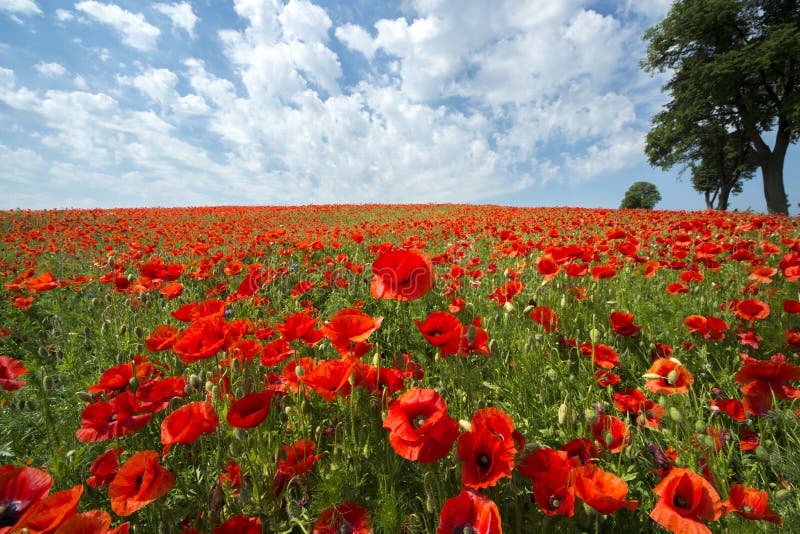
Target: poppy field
398, 369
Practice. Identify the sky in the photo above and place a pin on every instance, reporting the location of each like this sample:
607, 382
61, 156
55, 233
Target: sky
269, 102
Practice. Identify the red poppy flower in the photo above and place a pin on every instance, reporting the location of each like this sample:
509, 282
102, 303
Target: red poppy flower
419, 427
154, 395
345, 517
791, 306
298, 458
475, 340
9, 370
53, 510
21, 489
601, 490
330, 378
610, 432
202, 339
239, 524
576, 270
163, 337
506, 292
106, 420
546, 317
275, 352
622, 323
602, 271
117, 378
44, 282
606, 378
673, 377
401, 275
469, 512
348, 328
198, 310
709, 327
442, 330
140, 481
761, 379
603, 355
752, 309
750, 503
187, 423
300, 326
685, 498
93, 521
633, 401
543, 463
581, 448
554, 495
732, 407
487, 457
250, 410
301, 288
104, 468
676, 287
547, 267
172, 290
793, 338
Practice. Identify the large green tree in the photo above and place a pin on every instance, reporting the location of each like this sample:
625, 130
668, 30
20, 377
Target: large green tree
735, 66
641, 195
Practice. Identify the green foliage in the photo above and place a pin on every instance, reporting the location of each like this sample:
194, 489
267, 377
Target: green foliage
735, 76
641, 195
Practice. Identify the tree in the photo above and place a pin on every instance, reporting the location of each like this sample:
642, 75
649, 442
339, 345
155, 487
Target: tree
726, 160
735, 64
641, 195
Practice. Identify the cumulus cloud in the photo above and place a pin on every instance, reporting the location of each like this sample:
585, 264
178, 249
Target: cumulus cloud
181, 15
50, 70
20, 7
136, 32
457, 101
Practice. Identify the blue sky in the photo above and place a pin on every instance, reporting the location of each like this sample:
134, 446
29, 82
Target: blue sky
265, 102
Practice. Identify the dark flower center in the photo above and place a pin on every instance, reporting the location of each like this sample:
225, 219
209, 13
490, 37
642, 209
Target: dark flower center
419, 420
681, 503
484, 462
747, 509
554, 503
10, 513
464, 529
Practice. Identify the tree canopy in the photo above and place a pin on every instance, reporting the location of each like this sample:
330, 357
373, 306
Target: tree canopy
641, 195
735, 76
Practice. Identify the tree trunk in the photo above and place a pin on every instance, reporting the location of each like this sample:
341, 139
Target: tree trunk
774, 192
724, 194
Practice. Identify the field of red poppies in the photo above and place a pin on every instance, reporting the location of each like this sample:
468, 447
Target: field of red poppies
398, 369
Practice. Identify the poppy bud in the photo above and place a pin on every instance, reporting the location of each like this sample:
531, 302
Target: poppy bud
651, 376
563, 301
137, 331
70, 454
195, 381
84, 396
123, 329
108, 298
528, 309
699, 426
672, 377
103, 328
471, 333
299, 371
590, 414
215, 392
236, 365
209, 385
376, 359
594, 335
188, 389
42, 352
762, 454
552, 374
562, 413
709, 441
492, 346
94, 302
48, 383
508, 307
133, 384
675, 414
465, 425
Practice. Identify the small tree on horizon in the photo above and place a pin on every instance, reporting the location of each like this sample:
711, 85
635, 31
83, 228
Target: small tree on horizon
641, 195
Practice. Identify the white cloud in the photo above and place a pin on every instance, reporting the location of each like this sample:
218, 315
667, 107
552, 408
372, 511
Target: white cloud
64, 15
181, 15
158, 84
356, 38
135, 30
20, 7
608, 155
302, 20
651, 9
50, 70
